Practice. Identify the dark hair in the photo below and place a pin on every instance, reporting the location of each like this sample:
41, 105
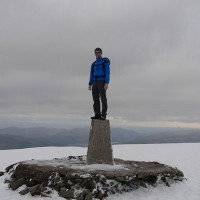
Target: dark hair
98, 49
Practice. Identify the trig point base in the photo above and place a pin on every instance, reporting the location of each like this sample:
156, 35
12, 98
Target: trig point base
99, 146
75, 178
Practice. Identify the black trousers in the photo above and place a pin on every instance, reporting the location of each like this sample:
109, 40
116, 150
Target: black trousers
98, 92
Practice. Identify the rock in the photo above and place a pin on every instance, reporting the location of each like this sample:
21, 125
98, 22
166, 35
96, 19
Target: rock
70, 193
151, 179
88, 195
66, 193
10, 167
100, 147
106, 193
14, 184
67, 183
135, 184
44, 194
47, 191
120, 178
77, 180
72, 157
36, 190
7, 180
25, 191
1, 173
75, 177
80, 198
100, 196
85, 192
147, 178
59, 186
88, 184
31, 183
98, 193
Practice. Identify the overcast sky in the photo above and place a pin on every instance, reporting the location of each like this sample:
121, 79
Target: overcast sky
47, 47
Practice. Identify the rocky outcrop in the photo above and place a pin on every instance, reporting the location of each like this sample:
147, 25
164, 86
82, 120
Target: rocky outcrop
72, 178
1, 173
99, 146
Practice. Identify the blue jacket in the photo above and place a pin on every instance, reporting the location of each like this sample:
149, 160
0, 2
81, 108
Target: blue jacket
100, 67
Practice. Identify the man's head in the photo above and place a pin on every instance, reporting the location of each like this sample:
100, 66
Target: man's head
98, 52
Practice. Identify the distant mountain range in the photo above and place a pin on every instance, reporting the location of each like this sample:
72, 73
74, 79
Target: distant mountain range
17, 138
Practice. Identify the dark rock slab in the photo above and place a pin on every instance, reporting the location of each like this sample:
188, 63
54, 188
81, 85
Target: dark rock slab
24, 191
1, 173
66, 193
16, 183
68, 175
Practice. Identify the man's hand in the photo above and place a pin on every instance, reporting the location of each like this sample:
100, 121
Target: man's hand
106, 86
89, 87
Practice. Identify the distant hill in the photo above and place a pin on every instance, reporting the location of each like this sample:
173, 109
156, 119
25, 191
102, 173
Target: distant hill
177, 136
16, 138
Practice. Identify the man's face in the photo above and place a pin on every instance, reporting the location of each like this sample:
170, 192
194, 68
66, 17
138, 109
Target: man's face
98, 54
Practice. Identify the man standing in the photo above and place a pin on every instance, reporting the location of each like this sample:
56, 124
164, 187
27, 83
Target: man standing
98, 83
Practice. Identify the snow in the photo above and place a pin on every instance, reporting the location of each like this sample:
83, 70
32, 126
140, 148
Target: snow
74, 163
105, 167
183, 156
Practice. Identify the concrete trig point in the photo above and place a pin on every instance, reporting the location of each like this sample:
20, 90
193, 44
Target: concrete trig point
99, 146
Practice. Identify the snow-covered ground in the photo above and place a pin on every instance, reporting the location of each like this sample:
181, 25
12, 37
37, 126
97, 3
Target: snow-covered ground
183, 156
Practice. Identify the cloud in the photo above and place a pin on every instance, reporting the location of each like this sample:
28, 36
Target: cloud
46, 49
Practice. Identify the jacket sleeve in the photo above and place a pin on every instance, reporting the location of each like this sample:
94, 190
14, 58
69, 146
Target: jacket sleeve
107, 65
91, 75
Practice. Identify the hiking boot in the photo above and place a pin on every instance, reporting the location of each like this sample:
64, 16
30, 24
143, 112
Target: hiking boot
96, 117
103, 117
